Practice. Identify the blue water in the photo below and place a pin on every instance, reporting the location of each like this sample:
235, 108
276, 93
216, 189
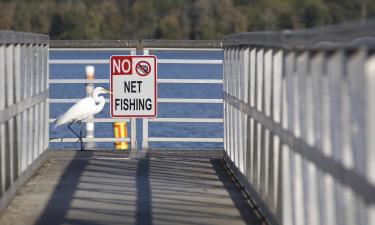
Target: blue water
165, 110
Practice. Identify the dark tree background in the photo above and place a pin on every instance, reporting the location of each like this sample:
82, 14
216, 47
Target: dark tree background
173, 19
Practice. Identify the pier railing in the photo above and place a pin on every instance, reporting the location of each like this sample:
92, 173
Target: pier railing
133, 48
23, 108
299, 122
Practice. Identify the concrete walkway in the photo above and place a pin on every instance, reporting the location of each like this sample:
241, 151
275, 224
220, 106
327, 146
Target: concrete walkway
97, 188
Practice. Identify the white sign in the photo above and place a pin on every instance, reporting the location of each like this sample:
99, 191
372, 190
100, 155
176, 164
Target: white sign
133, 83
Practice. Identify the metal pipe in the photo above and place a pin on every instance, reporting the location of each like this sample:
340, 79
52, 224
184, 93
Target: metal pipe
90, 127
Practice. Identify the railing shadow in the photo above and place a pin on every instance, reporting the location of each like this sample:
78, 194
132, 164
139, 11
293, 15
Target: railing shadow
87, 192
144, 209
244, 206
60, 200
95, 190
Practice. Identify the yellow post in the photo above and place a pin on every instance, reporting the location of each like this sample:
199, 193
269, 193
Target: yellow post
119, 131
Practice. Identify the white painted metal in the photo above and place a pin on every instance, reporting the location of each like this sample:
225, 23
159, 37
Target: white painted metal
162, 61
100, 120
190, 81
22, 128
145, 140
321, 99
188, 100
160, 100
3, 168
77, 81
133, 133
63, 140
370, 129
187, 120
91, 49
184, 49
169, 81
145, 135
174, 139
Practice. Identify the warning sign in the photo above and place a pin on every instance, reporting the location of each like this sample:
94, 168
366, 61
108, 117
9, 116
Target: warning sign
133, 83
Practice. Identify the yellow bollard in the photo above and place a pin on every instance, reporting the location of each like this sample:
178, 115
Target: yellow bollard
119, 130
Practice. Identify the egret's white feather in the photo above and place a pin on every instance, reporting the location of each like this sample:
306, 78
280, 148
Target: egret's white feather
84, 108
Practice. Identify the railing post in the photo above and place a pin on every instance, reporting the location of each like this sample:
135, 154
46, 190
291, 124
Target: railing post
145, 134
18, 124
133, 134
46, 104
2, 125
90, 126
145, 144
133, 123
10, 123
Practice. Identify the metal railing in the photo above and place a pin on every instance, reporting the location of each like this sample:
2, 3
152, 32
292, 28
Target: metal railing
23, 107
141, 47
299, 122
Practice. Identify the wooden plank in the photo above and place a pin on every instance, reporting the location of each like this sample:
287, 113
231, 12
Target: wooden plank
30, 113
276, 99
41, 116
370, 128
246, 118
225, 106
24, 116
17, 98
35, 86
309, 169
252, 98
10, 137
46, 104
267, 142
3, 169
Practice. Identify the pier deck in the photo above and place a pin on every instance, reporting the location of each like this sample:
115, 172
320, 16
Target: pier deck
169, 187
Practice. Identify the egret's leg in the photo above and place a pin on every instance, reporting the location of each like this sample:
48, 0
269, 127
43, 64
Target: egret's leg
80, 134
79, 138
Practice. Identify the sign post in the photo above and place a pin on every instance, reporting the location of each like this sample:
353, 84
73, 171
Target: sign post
133, 83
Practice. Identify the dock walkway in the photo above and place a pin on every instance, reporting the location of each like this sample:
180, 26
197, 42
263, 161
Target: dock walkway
165, 187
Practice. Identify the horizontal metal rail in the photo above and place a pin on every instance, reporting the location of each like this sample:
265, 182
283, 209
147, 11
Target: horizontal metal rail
169, 81
16, 37
352, 35
174, 120
160, 100
21, 106
139, 44
162, 61
91, 49
99, 120
64, 140
187, 120
130, 49
185, 49
190, 100
175, 139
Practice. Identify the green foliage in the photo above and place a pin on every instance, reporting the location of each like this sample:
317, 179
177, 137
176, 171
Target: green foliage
173, 19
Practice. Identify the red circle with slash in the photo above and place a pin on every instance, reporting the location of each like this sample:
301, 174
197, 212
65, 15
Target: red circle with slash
143, 68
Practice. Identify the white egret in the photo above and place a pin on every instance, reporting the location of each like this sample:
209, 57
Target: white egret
83, 109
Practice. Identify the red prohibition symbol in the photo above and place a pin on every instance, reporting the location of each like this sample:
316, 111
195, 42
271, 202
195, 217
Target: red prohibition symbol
143, 68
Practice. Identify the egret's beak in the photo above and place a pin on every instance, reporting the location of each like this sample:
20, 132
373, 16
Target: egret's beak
106, 91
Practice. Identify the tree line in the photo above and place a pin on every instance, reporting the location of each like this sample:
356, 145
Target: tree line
173, 19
